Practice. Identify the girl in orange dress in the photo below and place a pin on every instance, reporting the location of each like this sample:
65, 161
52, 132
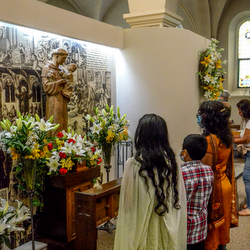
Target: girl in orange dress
222, 205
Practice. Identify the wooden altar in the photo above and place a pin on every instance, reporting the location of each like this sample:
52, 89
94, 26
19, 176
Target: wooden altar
57, 219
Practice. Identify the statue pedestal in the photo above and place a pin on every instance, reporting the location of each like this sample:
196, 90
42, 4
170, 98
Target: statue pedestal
57, 220
28, 245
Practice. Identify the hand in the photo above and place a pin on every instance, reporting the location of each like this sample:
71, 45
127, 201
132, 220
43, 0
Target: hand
62, 81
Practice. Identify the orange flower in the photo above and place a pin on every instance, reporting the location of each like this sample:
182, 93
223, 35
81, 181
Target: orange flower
206, 60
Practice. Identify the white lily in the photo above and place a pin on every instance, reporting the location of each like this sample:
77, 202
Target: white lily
207, 78
7, 135
98, 152
53, 163
67, 148
45, 126
30, 123
96, 128
79, 149
213, 80
4, 206
3, 225
207, 94
13, 129
22, 212
89, 118
15, 229
79, 139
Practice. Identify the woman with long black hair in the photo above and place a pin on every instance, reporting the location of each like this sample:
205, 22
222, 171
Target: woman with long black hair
152, 207
213, 119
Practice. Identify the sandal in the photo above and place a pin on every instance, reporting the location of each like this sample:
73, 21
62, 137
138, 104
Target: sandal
244, 212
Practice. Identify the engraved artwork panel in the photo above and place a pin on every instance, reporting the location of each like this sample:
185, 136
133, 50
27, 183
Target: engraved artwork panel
4, 193
23, 53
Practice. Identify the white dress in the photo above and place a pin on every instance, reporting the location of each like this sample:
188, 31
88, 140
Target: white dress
138, 226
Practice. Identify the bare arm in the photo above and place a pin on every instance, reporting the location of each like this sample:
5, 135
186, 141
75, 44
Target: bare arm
245, 139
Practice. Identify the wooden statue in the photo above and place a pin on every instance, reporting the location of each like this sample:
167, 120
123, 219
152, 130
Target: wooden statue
58, 93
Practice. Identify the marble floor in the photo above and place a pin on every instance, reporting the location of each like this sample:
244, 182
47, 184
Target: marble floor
240, 236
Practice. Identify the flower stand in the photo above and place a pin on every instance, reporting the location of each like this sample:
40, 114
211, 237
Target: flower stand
106, 154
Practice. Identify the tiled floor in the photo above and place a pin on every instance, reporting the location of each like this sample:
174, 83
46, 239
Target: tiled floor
238, 167
105, 240
240, 239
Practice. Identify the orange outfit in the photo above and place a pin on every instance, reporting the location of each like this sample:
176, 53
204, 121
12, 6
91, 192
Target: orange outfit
221, 235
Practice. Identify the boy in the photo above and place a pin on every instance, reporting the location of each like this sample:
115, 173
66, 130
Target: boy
198, 180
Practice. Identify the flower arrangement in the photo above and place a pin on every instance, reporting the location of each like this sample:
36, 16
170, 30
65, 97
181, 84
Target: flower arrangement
28, 139
68, 149
10, 220
107, 128
211, 71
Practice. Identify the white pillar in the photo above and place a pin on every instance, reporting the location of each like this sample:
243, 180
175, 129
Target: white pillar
152, 13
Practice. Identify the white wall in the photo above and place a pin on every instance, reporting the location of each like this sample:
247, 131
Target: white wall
156, 74
44, 17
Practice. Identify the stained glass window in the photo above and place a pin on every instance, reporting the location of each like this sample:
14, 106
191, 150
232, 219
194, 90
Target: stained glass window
244, 55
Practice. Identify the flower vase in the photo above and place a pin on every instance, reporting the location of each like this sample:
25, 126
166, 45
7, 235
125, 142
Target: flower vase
106, 155
29, 170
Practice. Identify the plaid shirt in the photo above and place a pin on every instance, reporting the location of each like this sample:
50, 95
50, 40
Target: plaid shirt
198, 179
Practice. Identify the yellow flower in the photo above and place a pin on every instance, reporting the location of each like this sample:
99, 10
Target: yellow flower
221, 79
15, 156
209, 87
59, 143
220, 86
206, 60
218, 64
68, 164
36, 153
29, 157
217, 94
125, 130
110, 136
121, 136
48, 154
45, 151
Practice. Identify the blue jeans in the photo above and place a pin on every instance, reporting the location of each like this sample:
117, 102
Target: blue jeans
246, 177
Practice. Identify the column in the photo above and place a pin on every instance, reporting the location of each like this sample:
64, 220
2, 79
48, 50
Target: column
152, 13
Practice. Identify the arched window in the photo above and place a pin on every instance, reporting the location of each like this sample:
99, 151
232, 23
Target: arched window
244, 55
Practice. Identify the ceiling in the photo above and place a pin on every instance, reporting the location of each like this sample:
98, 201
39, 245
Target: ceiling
202, 17
96, 9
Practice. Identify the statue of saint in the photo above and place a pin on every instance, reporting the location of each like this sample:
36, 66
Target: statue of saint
55, 86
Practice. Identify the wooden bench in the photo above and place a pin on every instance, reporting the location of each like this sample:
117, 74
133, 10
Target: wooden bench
94, 207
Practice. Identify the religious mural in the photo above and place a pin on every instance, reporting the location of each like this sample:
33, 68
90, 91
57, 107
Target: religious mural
24, 52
